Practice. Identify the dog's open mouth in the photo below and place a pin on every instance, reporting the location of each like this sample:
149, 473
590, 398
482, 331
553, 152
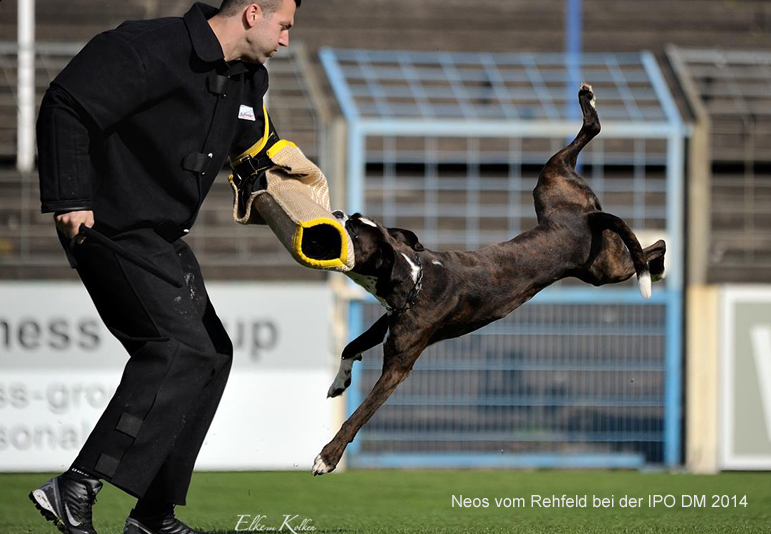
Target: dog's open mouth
321, 242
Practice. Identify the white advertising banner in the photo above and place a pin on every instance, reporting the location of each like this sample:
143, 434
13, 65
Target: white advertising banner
745, 400
59, 367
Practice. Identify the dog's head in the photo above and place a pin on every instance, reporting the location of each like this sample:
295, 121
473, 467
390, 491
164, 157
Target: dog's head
386, 256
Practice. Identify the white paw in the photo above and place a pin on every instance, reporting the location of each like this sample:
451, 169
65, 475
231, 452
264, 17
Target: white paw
342, 380
338, 387
320, 467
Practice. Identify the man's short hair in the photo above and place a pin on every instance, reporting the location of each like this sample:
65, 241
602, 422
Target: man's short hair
234, 7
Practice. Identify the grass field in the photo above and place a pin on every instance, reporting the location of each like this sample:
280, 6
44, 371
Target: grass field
421, 501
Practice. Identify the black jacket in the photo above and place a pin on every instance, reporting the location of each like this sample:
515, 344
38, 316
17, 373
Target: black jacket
139, 123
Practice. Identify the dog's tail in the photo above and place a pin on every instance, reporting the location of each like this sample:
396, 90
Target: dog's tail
599, 220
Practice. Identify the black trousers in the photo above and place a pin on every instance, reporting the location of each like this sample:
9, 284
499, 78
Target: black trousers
147, 440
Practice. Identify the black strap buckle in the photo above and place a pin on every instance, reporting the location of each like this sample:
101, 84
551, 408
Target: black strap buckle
256, 164
249, 167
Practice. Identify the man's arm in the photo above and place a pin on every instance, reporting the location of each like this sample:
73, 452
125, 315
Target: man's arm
64, 164
102, 85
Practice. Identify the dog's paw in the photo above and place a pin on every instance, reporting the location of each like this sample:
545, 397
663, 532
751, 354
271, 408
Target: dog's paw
587, 90
338, 386
334, 391
320, 467
342, 380
656, 264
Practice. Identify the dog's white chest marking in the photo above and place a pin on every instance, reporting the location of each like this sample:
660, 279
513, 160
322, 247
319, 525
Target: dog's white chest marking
369, 283
415, 268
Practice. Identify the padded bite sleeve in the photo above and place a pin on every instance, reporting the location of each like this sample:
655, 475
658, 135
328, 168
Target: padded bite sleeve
292, 198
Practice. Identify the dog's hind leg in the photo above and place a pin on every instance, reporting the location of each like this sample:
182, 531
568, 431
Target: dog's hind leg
655, 254
559, 184
611, 261
600, 221
353, 351
397, 364
589, 130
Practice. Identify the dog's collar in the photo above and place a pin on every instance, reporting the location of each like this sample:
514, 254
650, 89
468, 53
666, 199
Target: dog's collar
414, 292
411, 298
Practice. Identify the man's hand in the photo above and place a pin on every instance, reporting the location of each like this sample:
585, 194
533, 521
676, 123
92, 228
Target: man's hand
69, 223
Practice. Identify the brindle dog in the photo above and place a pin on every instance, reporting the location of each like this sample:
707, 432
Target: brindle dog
430, 296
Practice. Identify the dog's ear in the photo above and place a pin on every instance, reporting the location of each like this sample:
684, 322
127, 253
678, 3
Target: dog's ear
384, 256
400, 280
401, 270
407, 237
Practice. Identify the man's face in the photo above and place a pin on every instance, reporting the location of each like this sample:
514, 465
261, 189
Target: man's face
270, 31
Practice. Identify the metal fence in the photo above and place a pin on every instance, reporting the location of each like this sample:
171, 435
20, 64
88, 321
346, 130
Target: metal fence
567, 380
730, 94
450, 146
28, 245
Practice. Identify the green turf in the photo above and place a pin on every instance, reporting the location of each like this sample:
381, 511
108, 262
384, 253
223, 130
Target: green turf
421, 501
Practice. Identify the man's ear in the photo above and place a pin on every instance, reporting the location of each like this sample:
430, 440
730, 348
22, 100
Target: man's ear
252, 14
407, 237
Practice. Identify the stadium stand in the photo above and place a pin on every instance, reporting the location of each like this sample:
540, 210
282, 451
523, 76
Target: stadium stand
28, 248
733, 88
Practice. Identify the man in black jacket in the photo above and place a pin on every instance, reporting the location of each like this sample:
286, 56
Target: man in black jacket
131, 136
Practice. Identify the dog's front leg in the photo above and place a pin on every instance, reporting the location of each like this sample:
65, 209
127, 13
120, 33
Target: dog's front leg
396, 367
353, 351
330, 455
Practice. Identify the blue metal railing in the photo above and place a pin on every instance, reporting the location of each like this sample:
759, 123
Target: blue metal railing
580, 376
569, 380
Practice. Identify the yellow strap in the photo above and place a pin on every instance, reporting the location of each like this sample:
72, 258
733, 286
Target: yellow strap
259, 145
340, 261
278, 147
